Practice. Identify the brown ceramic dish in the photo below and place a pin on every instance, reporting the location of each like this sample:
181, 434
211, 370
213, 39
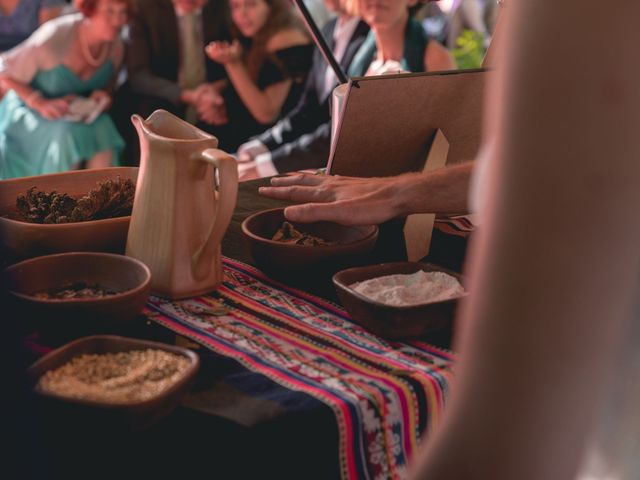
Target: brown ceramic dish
74, 317
391, 321
92, 414
24, 240
277, 258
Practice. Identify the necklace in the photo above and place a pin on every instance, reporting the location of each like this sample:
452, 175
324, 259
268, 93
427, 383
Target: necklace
86, 51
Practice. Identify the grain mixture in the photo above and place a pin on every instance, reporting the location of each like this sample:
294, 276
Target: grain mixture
118, 378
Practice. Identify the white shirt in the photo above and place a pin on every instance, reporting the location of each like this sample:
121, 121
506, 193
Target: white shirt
198, 39
342, 33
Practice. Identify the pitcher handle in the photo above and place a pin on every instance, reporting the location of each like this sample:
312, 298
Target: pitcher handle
227, 169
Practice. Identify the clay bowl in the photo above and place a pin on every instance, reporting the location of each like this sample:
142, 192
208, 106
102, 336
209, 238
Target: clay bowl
71, 318
283, 260
91, 414
24, 240
394, 322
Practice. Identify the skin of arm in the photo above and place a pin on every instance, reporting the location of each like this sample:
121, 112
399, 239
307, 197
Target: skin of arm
264, 105
554, 269
50, 109
366, 201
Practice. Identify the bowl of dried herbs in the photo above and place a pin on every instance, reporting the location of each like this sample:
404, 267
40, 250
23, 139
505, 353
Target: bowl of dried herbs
83, 210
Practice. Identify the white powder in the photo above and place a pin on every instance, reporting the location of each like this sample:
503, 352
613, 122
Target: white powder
412, 289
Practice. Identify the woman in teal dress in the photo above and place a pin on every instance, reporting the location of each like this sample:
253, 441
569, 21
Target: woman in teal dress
64, 69
396, 42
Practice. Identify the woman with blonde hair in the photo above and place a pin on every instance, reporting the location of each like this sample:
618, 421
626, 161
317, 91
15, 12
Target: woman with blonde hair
397, 42
56, 81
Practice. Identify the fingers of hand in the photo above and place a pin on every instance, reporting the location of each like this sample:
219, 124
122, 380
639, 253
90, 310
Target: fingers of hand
297, 193
297, 179
54, 109
312, 212
244, 157
344, 212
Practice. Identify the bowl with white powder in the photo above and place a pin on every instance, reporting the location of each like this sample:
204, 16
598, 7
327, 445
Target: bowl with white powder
106, 381
402, 299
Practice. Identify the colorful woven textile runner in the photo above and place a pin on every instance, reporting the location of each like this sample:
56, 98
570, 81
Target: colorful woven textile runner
458, 225
384, 394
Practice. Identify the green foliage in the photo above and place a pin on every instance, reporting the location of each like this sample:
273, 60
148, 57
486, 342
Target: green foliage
469, 50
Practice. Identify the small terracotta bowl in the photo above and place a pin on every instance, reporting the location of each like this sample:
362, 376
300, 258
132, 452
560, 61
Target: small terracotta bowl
130, 278
24, 240
394, 322
282, 259
90, 414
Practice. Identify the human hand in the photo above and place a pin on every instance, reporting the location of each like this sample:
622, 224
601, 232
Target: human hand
345, 200
224, 52
247, 171
248, 151
191, 96
100, 96
211, 108
51, 109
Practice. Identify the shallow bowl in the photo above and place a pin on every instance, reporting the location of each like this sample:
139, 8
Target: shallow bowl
90, 414
394, 322
21, 239
281, 259
66, 318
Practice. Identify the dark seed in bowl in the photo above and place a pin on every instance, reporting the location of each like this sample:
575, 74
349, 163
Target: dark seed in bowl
77, 290
288, 234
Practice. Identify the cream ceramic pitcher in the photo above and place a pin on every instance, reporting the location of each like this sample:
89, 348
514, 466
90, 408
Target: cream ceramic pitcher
178, 217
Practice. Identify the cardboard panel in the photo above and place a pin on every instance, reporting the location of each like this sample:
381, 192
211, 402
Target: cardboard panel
388, 122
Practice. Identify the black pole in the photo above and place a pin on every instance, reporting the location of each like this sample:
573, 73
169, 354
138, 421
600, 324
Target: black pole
320, 42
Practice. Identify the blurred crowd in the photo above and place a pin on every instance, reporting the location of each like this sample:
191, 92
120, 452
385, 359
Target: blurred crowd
246, 71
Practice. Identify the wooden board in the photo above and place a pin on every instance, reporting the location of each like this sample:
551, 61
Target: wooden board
388, 122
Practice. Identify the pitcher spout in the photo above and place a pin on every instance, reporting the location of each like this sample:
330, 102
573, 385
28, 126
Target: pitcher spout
167, 127
139, 124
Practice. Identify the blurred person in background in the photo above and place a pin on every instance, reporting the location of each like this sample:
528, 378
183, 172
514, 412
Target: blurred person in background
20, 18
397, 42
166, 64
67, 59
301, 139
267, 64
320, 14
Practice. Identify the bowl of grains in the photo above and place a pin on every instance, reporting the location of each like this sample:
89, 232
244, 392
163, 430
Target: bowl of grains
400, 300
76, 211
68, 295
285, 248
113, 382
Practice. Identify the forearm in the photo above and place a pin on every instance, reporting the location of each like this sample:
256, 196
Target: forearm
27, 93
145, 83
440, 191
554, 269
264, 108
